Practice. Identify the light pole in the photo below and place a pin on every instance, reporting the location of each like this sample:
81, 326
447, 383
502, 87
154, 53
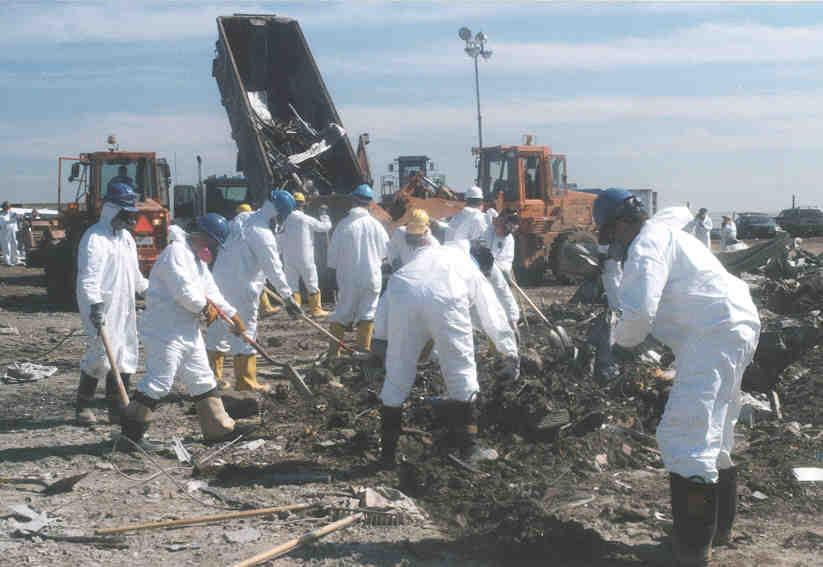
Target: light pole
476, 46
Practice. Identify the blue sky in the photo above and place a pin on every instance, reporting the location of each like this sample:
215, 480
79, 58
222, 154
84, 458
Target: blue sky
720, 105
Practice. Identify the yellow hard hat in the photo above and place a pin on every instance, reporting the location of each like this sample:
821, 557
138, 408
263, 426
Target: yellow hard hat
299, 197
244, 208
418, 223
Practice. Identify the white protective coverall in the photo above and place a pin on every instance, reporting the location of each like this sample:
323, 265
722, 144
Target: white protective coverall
728, 233
400, 252
179, 284
248, 258
358, 246
502, 248
674, 288
504, 293
467, 225
431, 298
298, 249
108, 272
8, 237
701, 229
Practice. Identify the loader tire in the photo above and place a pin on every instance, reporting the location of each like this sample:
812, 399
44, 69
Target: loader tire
565, 271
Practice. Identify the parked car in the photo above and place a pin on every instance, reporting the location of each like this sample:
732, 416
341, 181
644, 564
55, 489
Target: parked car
755, 225
801, 221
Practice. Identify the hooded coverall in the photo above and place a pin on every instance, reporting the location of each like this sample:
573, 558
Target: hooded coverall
502, 248
728, 234
702, 230
358, 246
179, 284
467, 225
431, 297
248, 258
108, 272
8, 237
674, 288
298, 249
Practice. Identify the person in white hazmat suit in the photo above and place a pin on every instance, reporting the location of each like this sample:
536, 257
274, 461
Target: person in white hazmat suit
674, 288
180, 283
407, 241
500, 240
431, 297
358, 245
728, 233
470, 223
298, 253
250, 256
8, 235
701, 227
108, 277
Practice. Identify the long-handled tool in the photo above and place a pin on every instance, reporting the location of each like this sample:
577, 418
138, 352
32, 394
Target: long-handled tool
330, 336
122, 395
291, 371
204, 519
273, 296
557, 333
306, 538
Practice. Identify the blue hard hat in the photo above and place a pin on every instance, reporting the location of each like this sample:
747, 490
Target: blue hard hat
607, 205
363, 193
215, 226
122, 194
283, 202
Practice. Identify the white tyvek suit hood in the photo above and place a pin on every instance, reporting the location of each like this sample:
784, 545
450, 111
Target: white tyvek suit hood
250, 256
108, 272
358, 246
431, 297
502, 248
675, 288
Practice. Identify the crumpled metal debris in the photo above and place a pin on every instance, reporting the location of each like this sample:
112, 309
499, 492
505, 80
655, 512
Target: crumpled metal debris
20, 372
35, 521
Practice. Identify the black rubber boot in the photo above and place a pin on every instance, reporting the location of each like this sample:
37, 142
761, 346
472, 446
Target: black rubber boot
465, 434
113, 397
85, 397
391, 420
134, 422
694, 510
726, 505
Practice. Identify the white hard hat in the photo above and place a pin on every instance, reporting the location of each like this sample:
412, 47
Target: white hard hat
474, 192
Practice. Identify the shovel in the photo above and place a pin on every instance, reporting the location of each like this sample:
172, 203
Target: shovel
122, 396
557, 334
360, 355
291, 371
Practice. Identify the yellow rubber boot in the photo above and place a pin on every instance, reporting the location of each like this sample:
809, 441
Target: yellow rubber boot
338, 331
315, 308
215, 423
266, 308
364, 333
216, 359
245, 373
297, 298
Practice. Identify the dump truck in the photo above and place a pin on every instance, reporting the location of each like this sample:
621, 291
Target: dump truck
282, 117
90, 173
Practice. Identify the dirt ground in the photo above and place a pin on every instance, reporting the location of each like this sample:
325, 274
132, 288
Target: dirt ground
567, 490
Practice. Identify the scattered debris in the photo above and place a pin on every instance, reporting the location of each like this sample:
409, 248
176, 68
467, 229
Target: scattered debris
252, 445
246, 535
808, 474
20, 372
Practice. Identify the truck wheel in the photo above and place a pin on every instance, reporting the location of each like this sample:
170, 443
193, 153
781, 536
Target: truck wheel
562, 261
534, 275
60, 274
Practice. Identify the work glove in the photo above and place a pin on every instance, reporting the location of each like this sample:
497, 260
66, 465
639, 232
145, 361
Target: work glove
96, 315
323, 210
292, 308
239, 327
511, 368
210, 311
